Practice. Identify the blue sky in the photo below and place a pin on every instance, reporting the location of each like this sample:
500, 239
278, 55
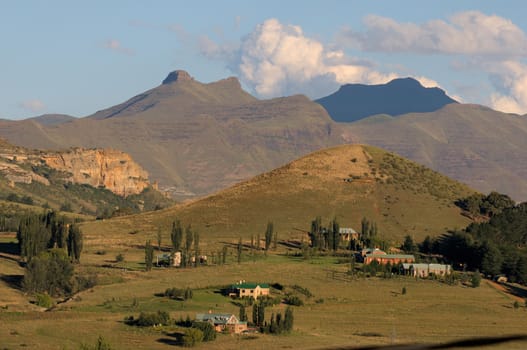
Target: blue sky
76, 57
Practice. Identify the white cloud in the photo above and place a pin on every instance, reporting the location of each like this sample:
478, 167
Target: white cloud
468, 33
33, 105
115, 45
510, 79
277, 59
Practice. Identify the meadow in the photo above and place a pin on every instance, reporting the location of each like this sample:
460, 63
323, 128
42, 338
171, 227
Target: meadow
341, 312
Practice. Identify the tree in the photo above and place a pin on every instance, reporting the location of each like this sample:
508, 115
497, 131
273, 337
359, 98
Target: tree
335, 239
476, 279
49, 272
209, 333
74, 242
408, 245
176, 235
288, 320
149, 255
243, 313
258, 314
491, 258
192, 337
269, 234
196, 248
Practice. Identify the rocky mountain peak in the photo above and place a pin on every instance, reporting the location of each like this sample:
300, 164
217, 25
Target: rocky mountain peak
177, 76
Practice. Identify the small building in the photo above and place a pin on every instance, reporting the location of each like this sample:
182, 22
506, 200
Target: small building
248, 289
425, 270
384, 259
223, 322
347, 234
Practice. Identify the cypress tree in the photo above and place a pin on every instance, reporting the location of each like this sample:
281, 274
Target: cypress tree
149, 255
74, 242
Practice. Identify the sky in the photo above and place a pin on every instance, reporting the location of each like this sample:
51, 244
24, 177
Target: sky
77, 57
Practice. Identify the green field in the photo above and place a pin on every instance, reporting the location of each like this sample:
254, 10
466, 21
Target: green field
353, 312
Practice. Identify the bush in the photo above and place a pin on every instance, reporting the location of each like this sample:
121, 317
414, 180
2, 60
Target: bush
119, 257
149, 319
476, 279
293, 300
180, 294
44, 300
192, 337
209, 333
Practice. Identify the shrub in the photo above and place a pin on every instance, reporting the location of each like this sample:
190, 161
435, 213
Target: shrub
209, 333
293, 300
119, 257
152, 319
192, 337
476, 279
403, 292
44, 300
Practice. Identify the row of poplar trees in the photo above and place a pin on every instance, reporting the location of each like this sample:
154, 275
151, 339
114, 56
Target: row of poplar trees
38, 233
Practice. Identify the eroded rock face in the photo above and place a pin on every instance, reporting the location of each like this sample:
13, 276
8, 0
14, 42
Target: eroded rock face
112, 169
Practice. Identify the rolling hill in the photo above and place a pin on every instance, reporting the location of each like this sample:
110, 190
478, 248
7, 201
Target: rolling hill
353, 102
347, 182
196, 138
471, 143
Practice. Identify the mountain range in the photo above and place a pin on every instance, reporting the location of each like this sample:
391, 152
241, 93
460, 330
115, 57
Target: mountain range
196, 138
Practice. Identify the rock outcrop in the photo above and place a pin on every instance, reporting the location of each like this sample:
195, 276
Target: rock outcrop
112, 169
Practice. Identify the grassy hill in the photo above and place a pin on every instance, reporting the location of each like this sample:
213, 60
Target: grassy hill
347, 182
470, 143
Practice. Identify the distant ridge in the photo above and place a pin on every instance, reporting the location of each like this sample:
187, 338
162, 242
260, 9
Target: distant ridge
52, 119
353, 102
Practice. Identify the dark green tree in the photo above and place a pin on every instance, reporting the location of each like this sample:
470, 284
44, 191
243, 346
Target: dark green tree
408, 244
149, 256
176, 235
269, 234
49, 272
288, 320
75, 242
196, 248
243, 313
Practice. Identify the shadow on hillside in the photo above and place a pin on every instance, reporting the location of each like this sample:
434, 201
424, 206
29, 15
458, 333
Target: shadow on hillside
515, 290
9, 248
14, 281
176, 338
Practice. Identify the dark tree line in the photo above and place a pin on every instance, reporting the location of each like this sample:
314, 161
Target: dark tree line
489, 205
37, 233
493, 247
324, 237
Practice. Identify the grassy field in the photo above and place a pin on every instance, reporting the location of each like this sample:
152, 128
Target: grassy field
341, 312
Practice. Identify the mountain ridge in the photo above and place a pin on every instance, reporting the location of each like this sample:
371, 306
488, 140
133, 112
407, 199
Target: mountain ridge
352, 102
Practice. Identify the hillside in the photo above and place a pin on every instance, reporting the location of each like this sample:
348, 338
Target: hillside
87, 181
353, 102
471, 143
347, 182
193, 138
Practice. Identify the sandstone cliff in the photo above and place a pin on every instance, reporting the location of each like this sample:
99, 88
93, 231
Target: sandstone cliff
112, 169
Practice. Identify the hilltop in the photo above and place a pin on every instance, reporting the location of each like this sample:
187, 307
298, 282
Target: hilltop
347, 182
353, 102
471, 143
197, 138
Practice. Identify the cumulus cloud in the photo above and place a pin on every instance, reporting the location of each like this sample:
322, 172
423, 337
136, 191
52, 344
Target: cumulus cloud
115, 45
510, 79
278, 59
33, 105
468, 33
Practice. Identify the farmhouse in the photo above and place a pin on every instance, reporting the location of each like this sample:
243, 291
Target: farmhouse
223, 322
347, 234
247, 289
425, 270
384, 259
